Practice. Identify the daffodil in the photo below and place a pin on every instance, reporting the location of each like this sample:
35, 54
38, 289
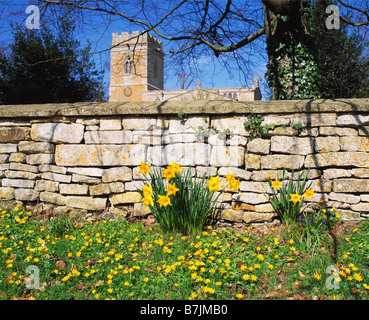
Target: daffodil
148, 200
295, 197
147, 190
168, 173
234, 185
309, 194
172, 189
213, 183
164, 201
276, 184
144, 168
176, 168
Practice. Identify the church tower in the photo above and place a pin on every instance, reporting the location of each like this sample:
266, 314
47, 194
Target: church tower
137, 66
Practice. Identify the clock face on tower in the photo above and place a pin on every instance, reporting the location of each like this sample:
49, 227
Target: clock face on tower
127, 91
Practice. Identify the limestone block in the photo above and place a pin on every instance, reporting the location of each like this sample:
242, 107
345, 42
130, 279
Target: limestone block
190, 125
13, 134
146, 139
277, 161
127, 197
26, 194
52, 197
52, 168
8, 148
292, 145
338, 159
320, 185
354, 143
57, 132
139, 209
360, 172
140, 123
134, 185
179, 137
40, 158
363, 131
344, 197
108, 137
327, 144
362, 206
18, 183
242, 206
314, 119
73, 213
117, 174
4, 158
17, 157
47, 185
100, 155
79, 189
87, 203
35, 147
90, 171
232, 215
21, 175
364, 197
23, 167
352, 120
330, 174
264, 175
227, 156
351, 215
56, 177
336, 131
319, 197
264, 207
210, 171
237, 172
85, 179
4, 166
88, 122
111, 124
252, 217
278, 121
7, 193
250, 197
252, 161
255, 186
155, 155
351, 185
185, 154
92, 128
259, 146
106, 188
234, 124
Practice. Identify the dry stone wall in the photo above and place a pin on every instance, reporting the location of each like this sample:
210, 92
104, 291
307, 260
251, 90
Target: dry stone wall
83, 158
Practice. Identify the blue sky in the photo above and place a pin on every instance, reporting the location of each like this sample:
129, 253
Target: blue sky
95, 31
98, 29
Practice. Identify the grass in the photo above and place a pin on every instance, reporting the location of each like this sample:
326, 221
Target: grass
121, 260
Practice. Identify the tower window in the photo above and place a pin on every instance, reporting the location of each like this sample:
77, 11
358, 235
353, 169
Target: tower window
128, 65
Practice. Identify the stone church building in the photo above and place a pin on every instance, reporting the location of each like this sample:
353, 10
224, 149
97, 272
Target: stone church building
137, 74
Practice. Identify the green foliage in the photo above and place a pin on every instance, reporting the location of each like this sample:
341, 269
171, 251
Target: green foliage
189, 208
282, 195
292, 71
45, 67
254, 126
343, 64
97, 260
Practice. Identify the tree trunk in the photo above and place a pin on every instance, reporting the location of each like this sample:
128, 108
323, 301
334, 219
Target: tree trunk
292, 70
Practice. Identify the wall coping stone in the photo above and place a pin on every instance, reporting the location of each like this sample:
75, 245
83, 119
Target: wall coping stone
189, 107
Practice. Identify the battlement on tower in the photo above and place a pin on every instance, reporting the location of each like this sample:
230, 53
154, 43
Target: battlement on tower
131, 38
